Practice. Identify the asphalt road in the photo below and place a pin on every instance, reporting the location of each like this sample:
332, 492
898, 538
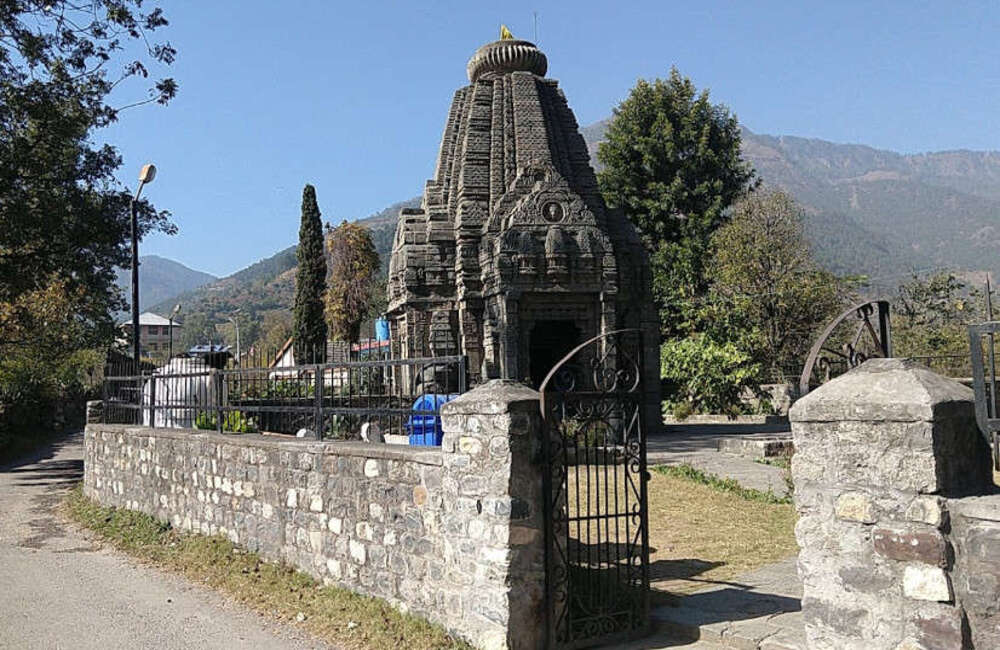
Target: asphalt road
59, 589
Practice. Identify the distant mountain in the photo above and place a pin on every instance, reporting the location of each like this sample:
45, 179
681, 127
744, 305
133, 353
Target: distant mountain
880, 212
265, 285
868, 211
160, 280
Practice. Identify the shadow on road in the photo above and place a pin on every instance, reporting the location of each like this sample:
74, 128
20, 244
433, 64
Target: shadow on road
46, 452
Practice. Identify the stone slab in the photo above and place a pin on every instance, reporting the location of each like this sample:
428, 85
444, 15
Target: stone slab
756, 611
758, 447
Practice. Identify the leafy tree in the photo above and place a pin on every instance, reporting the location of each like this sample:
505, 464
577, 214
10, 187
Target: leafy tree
64, 215
766, 287
701, 375
309, 328
196, 329
275, 329
930, 316
672, 163
64, 218
354, 280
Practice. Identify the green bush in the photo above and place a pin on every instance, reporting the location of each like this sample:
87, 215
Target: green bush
232, 422
40, 395
703, 376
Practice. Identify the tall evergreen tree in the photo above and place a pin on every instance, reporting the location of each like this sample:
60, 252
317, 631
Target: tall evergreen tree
672, 163
309, 327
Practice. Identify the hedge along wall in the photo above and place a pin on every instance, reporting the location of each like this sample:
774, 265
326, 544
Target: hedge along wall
453, 534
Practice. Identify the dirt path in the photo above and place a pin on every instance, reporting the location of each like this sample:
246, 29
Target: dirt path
58, 589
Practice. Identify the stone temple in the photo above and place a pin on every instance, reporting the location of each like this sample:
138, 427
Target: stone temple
513, 258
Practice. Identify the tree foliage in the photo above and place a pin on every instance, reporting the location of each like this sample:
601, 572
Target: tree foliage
702, 375
309, 328
930, 317
766, 284
354, 280
63, 214
672, 163
64, 218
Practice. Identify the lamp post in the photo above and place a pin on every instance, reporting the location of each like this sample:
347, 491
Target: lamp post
146, 175
170, 346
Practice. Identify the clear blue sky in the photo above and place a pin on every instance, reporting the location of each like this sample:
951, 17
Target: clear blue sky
352, 96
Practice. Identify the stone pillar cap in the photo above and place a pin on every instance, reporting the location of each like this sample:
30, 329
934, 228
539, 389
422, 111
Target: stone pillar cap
507, 55
882, 389
494, 397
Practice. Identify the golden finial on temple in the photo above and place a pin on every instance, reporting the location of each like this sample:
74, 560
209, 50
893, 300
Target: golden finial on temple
505, 34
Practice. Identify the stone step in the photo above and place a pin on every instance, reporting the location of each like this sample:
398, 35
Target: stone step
758, 447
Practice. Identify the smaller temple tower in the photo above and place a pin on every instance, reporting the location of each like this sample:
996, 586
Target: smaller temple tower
513, 258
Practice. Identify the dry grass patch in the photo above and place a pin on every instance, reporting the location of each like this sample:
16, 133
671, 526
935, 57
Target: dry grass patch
341, 617
703, 532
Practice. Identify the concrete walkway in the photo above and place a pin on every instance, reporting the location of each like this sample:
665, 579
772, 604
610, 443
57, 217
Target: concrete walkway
698, 447
61, 590
756, 611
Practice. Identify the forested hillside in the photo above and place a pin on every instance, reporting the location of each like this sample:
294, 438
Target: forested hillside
869, 211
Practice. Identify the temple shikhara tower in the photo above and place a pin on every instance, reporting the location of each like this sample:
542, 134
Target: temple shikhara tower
513, 257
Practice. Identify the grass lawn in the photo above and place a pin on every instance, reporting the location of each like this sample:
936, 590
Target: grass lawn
335, 615
703, 530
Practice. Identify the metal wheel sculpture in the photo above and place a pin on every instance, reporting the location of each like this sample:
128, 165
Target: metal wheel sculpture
872, 337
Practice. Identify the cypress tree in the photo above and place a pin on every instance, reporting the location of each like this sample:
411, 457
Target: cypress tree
309, 327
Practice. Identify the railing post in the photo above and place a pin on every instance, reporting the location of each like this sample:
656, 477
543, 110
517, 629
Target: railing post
216, 378
318, 403
104, 395
137, 417
152, 400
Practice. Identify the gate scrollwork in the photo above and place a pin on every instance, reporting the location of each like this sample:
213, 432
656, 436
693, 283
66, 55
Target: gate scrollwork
597, 541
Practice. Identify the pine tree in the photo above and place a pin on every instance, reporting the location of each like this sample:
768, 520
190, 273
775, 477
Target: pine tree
309, 327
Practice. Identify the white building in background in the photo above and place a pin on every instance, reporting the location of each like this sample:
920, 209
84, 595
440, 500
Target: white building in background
154, 334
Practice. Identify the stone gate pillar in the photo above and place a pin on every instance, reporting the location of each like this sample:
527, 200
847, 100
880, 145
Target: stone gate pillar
492, 438
876, 452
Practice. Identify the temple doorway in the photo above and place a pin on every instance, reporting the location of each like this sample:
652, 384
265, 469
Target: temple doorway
550, 341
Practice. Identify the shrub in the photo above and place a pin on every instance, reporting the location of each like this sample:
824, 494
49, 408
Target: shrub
703, 376
232, 421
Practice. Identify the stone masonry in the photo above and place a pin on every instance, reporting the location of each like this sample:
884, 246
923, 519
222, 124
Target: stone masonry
453, 534
899, 526
513, 257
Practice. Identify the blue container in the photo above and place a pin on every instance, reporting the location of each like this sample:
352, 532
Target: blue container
381, 330
424, 429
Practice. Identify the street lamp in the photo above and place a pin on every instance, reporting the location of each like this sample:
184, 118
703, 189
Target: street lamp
146, 175
170, 348
236, 324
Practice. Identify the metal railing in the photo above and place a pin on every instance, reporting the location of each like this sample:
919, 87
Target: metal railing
315, 400
982, 349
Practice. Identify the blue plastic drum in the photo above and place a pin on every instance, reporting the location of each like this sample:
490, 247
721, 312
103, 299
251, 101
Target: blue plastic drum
424, 428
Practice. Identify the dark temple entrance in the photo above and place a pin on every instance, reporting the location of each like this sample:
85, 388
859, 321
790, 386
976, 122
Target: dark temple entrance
550, 341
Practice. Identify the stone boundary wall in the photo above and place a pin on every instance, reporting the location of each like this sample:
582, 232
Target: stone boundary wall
899, 521
453, 534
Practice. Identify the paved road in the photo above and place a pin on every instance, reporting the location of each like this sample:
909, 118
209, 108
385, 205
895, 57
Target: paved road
60, 590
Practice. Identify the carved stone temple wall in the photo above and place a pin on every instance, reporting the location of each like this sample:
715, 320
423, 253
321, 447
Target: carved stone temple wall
513, 257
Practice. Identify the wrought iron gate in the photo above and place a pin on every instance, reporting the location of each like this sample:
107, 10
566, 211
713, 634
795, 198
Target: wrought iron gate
596, 524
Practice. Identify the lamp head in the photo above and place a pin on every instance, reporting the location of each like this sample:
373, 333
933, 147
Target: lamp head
148, 173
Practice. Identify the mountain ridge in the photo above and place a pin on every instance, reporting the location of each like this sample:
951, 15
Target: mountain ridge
868, 211
161, 278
